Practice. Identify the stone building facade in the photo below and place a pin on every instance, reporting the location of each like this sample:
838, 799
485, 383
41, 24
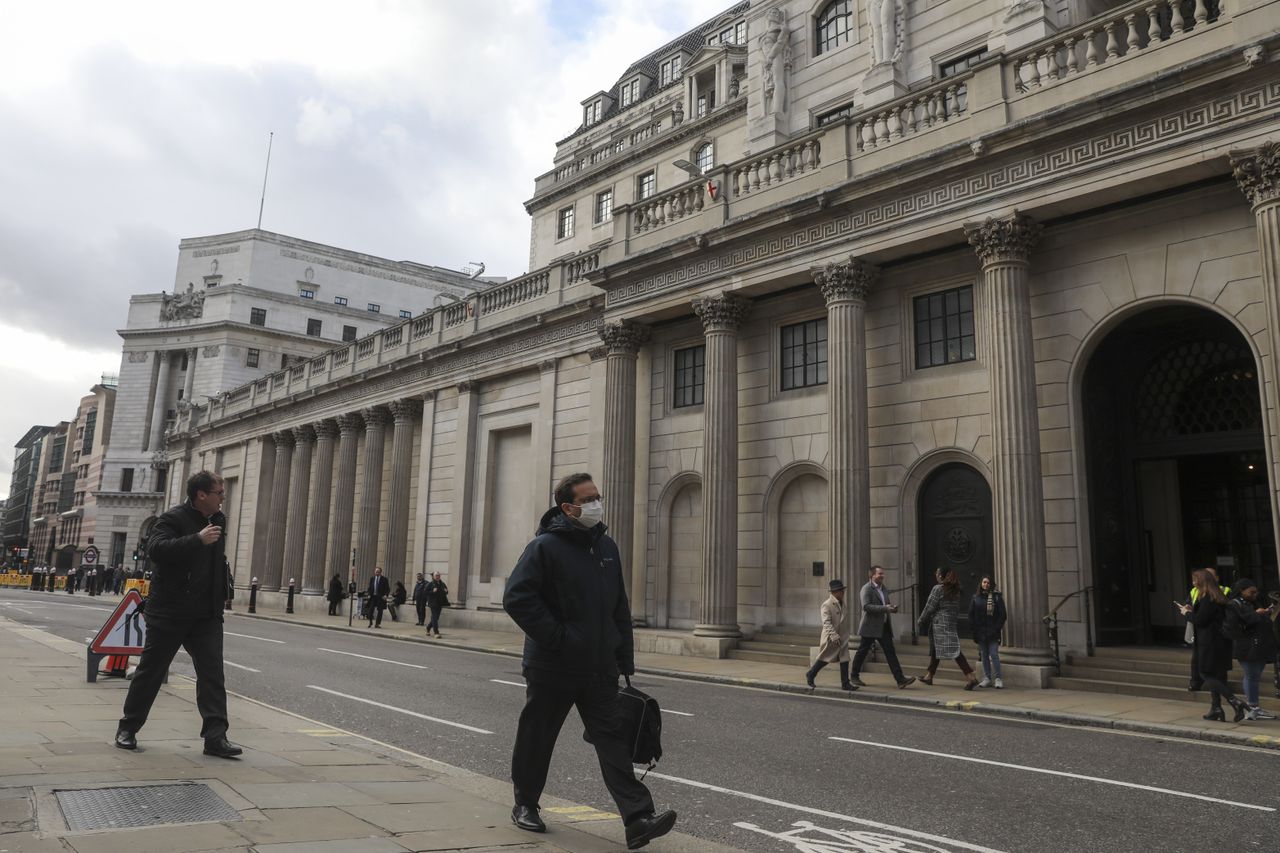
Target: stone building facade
15, 523
980, 285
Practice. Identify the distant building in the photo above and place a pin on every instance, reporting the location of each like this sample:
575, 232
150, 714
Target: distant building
15, 521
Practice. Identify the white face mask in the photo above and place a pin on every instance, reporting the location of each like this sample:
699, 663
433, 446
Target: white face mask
592, 513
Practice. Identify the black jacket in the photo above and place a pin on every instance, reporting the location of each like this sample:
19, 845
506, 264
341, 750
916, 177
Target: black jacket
566, 593
189, 578
1212, 647
379, 589
437, 594
420, 592
987, 628
399, 597
336, 591
1251, 633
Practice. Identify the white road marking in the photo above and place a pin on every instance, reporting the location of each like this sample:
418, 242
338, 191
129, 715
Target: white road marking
251, 637
874, 824
371, 657
1062, 773
57, 604
807, 836
677, 713
512, 683
522, 684
404, 711
241, 666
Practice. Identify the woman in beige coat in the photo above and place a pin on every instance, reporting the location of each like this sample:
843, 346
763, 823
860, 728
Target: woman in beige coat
833, 645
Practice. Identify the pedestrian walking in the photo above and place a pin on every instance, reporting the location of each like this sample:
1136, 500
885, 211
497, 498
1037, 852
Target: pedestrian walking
1251, 630
1212, 647
941, 613
336, 594
71, 581
184, 610
1196, 682
398, 598
877, 627
437, 594
567, 594
833, 644
376, 597
987, 617
420, 599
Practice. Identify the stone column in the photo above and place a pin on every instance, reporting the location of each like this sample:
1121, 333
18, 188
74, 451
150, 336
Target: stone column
375, 436
189, 387
622, 343
1017, 492
844, 286
314, 581
279, 509
405, 412
159, 406
720, 315
299, 498
345, 496
464, 480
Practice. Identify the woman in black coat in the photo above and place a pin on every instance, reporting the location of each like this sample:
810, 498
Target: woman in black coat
987, 616
335, 595
1212, 647
1250, 629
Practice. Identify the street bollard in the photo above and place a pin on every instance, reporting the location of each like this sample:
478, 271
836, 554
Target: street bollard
92, 584
253, 596
288, 607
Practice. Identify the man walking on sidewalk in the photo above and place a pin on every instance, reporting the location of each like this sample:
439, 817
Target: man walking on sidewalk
833, 645
379, 589
184, 610
877, 627
566, 593
420, 599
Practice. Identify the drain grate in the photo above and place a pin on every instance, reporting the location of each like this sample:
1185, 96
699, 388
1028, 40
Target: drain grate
142, 805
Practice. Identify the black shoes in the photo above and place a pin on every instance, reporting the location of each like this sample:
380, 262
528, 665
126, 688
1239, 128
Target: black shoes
642, 830
1240, 708
856, 681
1216, 714
849, 685
126, 739
906, 682
808, 679
220, 747
1194, 685
526, 818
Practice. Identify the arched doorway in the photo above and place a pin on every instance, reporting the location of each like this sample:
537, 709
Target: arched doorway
802, 535
684, 558
954, 530
1176, 467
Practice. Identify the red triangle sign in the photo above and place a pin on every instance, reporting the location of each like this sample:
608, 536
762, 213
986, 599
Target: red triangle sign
125, 630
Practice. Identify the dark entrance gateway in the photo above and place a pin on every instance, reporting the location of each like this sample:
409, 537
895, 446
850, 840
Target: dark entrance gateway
955, 532
1176, 467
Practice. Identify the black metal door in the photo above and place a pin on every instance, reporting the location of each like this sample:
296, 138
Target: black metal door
955, 531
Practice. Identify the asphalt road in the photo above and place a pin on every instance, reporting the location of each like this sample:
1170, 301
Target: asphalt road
746, 767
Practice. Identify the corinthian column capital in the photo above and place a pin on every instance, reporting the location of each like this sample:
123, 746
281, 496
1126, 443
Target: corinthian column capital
723, 312
624, 337
303, 434
326, 429
284, 438
349, 422
405, 410
1003, 240
375, 416
850, 280
1257, 171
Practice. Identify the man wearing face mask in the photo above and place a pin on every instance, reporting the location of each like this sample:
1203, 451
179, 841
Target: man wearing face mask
566, 593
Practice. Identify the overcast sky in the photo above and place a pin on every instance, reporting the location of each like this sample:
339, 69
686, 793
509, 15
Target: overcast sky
408, 130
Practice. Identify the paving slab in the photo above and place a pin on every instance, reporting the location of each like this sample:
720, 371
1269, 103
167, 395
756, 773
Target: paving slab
413, 817
305, 824
188, 838
361, 845
301, 794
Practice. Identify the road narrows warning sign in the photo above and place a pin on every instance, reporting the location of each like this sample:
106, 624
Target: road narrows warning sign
125, 630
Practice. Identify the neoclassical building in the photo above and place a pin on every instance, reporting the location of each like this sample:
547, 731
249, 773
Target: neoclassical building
990, 286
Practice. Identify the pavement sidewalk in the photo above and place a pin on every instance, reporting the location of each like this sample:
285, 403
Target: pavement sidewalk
1072, 707
301, 786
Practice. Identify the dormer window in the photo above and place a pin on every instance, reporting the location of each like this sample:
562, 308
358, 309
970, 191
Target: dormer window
629, 93
669, 71
591, 113
736, 34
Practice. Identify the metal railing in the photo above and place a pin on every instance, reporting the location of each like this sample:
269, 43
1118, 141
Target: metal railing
1051, 620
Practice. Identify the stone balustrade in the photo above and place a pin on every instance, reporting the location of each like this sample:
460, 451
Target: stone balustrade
364, 347
515, 292
1126, 31
917, 113
671, 206
422, 326
579, 267
776, 165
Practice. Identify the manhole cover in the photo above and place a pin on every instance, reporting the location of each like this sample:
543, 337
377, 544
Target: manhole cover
143, 805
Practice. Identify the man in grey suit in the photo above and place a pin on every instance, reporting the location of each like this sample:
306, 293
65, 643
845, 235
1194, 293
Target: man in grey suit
877, 627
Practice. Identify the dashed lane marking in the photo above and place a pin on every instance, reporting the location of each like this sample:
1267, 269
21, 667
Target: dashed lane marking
251, 637
241, 666
371, 657
677, 713
1062, 773
404, 711
324, 733
511, 683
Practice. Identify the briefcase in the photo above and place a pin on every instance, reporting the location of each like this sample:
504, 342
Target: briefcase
640, 723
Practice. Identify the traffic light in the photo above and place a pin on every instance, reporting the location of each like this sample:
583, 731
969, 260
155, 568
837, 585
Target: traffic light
135, 555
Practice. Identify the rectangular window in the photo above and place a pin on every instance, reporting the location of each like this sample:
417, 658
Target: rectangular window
591, 114
258, 316
833, 116
961, 64
405, 315
804, 354
306, 293
284, 360
251, 360
56, 454
604, 206
126, 479
630, 93
90, 426
339, 300
669, 71
348, 333
645, 185
374, 308
313, 327
690, 376
944, 327
564, 223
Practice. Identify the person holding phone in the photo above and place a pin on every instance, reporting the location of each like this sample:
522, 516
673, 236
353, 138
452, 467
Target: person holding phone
1213, 649
1250, 629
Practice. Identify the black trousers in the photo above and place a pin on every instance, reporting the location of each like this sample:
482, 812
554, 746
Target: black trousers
891, 657
202, 638
333, 607
548, 698
421, 607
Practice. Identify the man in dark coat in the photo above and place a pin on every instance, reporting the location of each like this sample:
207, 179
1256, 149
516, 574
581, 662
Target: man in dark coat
379, 590
437, 594
566, 593
420, 598
336, 594
184, 610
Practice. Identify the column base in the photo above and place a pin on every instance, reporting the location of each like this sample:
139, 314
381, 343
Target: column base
1025, 675
731, 631
709, 647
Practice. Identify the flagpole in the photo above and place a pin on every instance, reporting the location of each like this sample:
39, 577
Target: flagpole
263, 202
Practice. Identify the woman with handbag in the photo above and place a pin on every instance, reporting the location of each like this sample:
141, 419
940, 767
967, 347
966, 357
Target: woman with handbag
1249, 627
942, 612
922, 627
1213, 648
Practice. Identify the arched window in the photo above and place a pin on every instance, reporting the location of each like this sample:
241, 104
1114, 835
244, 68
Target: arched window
834, 23
705, 158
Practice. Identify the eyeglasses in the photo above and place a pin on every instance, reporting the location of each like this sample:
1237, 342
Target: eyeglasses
596, 498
